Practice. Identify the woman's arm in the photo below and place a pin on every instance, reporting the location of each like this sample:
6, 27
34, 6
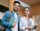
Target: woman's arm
29, 27
22, 27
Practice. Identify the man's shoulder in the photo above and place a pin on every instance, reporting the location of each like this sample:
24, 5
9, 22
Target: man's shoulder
7, 12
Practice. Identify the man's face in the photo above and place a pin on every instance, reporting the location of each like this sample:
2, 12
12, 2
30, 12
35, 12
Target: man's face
16, 7
26, 12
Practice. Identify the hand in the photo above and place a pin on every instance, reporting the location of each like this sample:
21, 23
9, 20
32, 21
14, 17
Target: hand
26, 27
30, 27
37, 24
14, 24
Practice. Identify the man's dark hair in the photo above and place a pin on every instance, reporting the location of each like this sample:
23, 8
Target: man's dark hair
16, 2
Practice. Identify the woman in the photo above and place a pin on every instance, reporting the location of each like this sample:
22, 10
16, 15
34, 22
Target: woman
26, 23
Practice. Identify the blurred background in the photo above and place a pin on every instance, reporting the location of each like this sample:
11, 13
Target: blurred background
6, 5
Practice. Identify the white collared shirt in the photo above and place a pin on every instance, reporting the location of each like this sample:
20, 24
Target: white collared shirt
23, 24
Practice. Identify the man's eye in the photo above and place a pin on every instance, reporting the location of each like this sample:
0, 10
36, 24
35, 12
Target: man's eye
27, 10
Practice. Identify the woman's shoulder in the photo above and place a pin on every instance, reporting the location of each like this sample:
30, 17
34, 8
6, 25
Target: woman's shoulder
30, 18
23, 17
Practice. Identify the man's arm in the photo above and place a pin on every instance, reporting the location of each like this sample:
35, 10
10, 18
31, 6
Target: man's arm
4, 20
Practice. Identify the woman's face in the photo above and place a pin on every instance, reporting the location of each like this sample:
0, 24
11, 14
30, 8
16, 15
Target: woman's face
26, 12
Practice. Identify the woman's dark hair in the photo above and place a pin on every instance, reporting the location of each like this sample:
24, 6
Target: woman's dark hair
27, 7
16, 2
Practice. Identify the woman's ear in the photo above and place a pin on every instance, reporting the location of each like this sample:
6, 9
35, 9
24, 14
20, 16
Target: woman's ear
29, 12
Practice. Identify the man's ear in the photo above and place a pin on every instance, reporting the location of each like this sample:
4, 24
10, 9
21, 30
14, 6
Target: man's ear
19, 8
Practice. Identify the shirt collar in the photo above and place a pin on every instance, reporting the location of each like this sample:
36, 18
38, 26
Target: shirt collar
13, 12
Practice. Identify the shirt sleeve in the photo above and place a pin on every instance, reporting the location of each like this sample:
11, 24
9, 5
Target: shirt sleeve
33, 22
22, 27
4, 20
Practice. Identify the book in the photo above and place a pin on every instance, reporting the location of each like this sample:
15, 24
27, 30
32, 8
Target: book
12, 20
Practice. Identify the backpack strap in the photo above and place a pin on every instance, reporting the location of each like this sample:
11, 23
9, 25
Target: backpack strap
9, 16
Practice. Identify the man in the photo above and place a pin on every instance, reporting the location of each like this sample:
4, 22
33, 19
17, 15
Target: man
13, 13
27, 23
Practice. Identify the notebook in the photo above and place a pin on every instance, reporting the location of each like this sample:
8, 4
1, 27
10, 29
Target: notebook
12, 20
